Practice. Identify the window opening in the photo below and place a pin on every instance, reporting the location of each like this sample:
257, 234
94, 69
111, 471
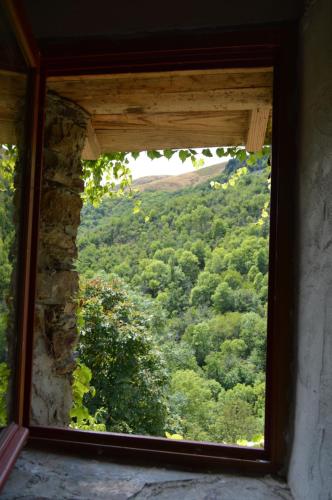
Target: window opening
172, 306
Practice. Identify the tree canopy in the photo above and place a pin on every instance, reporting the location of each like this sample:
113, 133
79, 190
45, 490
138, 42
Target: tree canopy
189, 270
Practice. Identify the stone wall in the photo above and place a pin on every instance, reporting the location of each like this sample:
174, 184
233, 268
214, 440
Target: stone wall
55, 332
310, 473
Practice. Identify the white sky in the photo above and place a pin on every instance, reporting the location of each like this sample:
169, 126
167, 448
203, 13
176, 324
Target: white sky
143, 166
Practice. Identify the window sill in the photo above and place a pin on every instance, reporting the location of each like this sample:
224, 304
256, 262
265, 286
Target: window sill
58, 475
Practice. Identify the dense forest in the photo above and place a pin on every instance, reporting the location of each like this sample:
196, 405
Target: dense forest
172, 316
173, 310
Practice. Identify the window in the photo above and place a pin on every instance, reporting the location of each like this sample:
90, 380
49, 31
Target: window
261, 50
165, 110
16, 196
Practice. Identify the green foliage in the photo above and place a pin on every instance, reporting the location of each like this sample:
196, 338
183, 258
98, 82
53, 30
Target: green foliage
223, 298
179, 355
195, 272
192, 400
229, 366
110, 173
8, 156
128, 372
4, 378
206, 285
154, 276
236, 422
175, 347
79, 414
189, 264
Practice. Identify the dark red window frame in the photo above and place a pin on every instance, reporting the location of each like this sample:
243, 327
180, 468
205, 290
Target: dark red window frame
239, 49
15, 435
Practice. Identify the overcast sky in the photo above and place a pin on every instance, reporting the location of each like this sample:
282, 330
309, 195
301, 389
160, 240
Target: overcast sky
143, 166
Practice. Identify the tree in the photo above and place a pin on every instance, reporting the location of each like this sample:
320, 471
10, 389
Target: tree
189, 264
154, 276
246, 300
201, 250
223, 298
128, 371
179, 355
229, 366
192, 402
205, 287
235, 421
232, 278
218, 229
167, 255
200, 338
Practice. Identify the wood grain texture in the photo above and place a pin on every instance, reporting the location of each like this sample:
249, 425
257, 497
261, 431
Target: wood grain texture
133, 131
226, 121
129, 140
91, 149
175, 109
257, 129
159, 74
157, 100
84, 86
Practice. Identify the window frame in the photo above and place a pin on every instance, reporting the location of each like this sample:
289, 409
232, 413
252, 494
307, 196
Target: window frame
15, 435
242, 48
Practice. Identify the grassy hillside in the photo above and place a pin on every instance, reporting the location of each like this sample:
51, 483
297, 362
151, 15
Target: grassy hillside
178, 182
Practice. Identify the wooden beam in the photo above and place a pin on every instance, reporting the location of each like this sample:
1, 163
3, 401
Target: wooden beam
159, 74
91, 150
176, 109
168, 82
187, 101
126, 132
257, 129
142, 140
227, 121
169, 92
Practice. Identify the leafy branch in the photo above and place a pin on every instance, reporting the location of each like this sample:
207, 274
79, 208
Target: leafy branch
8, 158
110, 174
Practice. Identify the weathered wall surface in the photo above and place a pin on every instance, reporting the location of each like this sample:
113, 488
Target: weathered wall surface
63, 19
310, 473
57, 283
54, 476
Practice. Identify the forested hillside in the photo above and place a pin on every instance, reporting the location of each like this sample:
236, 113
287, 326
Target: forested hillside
173, 317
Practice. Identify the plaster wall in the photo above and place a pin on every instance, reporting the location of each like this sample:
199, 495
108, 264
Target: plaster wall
310, 472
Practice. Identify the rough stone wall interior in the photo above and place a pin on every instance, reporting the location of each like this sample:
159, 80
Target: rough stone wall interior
55, 332
310, 472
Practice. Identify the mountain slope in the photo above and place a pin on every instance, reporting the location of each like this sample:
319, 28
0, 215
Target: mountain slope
177, 182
